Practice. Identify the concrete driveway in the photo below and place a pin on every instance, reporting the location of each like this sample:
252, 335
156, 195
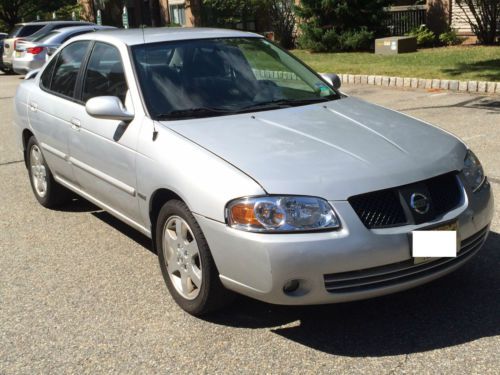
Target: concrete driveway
82, 293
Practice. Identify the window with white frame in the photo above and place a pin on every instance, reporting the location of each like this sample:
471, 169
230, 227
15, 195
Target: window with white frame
177, 12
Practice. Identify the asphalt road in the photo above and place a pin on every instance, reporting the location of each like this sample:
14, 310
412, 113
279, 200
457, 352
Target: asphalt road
82, 293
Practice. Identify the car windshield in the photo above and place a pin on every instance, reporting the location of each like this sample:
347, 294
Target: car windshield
214, 77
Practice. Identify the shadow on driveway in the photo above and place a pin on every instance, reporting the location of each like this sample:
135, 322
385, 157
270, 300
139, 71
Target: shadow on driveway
458, 308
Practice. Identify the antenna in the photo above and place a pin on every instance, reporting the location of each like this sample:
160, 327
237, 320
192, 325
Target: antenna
155, 132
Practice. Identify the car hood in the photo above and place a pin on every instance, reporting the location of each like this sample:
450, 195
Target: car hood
332, 150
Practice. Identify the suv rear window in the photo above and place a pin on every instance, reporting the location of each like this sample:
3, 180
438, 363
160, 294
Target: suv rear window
27, 30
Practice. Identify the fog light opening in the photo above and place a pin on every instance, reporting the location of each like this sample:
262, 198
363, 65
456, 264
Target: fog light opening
291, 286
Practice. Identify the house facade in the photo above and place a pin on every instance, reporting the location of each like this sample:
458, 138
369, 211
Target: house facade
440, 14
447, 13
143, 12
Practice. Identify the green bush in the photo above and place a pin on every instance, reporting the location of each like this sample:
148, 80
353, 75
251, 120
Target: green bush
341, 25
318, 40
450, 38
356, 40
425, 37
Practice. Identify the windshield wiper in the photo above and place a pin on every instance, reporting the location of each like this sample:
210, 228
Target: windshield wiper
281, 103
194, 113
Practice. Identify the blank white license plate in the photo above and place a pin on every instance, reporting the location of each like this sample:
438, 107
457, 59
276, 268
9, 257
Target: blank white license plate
438, 242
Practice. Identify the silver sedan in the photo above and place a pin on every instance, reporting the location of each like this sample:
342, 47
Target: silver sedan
33, 54
250, 172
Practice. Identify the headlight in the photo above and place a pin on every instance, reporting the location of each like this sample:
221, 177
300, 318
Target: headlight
281, 214
473, 171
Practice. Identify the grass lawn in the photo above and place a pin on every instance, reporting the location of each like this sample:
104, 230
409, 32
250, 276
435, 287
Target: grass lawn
459, 62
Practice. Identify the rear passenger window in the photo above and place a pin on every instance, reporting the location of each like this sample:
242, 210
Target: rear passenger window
104, 75
67, 68
47, 74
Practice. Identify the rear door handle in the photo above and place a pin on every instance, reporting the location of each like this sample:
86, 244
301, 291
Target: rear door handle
33, 106
75, 124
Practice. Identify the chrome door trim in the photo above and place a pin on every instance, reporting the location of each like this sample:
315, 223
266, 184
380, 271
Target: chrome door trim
54, 151
103, 176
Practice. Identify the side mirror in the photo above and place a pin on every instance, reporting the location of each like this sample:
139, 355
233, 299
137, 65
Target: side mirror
31, 74
108, 107
332, 79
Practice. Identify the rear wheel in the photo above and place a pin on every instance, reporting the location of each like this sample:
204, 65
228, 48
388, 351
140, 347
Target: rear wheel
186, 262
47, 191
7, 71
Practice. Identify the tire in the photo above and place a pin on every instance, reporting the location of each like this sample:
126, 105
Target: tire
186, 262
7, 71
47, 191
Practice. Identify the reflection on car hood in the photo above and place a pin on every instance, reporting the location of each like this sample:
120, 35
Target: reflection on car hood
332, 150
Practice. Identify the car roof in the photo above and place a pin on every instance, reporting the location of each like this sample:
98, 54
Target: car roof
71, 29
50, 22
164, 34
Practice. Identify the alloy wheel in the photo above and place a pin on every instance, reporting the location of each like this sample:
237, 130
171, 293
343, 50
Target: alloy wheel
182, 257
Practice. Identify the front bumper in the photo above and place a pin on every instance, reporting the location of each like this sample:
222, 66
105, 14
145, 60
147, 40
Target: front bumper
258, 265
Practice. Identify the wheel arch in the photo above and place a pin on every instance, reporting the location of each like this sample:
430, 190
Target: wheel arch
156, 202
26, 135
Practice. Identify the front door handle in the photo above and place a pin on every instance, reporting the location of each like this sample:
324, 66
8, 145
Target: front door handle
33, 106
75, 124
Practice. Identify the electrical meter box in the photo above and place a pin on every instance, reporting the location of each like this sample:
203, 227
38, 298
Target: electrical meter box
395, 44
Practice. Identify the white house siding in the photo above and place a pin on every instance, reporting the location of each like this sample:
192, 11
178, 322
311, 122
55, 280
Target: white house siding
459, 18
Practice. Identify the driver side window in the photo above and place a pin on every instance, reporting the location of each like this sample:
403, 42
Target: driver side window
105, 75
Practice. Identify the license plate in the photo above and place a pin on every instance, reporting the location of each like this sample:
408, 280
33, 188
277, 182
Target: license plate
18, 54
447, 244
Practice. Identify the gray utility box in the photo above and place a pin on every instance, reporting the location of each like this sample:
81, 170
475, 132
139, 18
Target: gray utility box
395, 44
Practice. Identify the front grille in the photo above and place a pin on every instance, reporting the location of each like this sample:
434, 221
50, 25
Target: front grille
384, 208
396, 273
380, 209
445, 192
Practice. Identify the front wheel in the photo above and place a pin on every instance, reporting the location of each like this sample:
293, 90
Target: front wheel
186, 262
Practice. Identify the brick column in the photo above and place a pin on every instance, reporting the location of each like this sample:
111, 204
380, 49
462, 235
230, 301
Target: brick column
438, 15
164, 12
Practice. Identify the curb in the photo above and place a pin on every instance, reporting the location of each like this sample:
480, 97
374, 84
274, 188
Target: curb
482, 87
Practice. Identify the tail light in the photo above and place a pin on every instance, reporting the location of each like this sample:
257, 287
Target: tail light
15, 42
34, 50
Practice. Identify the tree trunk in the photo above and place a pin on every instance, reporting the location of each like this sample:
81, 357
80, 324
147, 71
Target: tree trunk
88, 13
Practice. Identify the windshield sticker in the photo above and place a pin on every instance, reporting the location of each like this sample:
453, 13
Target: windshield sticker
323, 89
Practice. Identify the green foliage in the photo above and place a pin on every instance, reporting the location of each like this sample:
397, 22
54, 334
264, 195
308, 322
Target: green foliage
450, 38
425, 37
341, 25
14, 11
64, 13
228, 13
243, 14
331, 41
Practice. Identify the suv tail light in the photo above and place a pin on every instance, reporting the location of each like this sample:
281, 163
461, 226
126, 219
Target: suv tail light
15, 42
34, 50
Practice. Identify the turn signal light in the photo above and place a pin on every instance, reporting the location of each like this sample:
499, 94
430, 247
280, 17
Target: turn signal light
243, 214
